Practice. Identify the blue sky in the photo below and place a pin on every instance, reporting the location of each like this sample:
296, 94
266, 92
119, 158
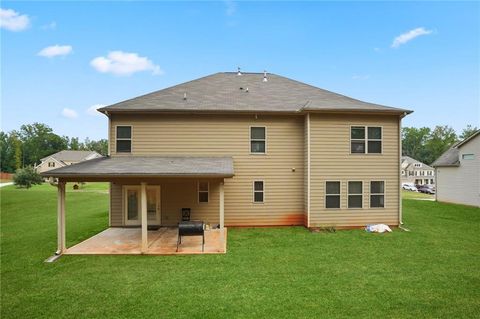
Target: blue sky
60, 59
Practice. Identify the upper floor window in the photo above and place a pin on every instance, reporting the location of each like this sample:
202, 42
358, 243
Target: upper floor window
366, 139
417, 165
468, 156
258, 140
377, 194
258, 192
203, 189
51, 164
124, 139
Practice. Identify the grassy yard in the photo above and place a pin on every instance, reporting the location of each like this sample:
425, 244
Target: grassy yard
431, 271
416, 195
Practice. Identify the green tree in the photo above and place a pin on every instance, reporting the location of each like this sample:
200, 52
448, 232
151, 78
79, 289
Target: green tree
413, 142
40, 141
26, 177
468, 131
17, 144
441, 138
100, 146
74, 144
7, 153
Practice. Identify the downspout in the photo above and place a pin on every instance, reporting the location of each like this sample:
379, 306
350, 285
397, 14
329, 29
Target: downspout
308, 169
400, 204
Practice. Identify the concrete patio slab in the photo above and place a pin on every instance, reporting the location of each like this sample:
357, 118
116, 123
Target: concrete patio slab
127, 241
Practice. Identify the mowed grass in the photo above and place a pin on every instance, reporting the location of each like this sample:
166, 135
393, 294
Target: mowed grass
416, 195
431, 271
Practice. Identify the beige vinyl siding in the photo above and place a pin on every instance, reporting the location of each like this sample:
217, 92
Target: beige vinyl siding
116, 205
331, 161
461, 184
175, 194
227, 135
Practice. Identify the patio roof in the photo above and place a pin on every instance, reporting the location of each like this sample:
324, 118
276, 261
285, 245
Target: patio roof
147, 166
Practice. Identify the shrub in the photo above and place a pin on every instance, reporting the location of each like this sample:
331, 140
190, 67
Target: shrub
26, 177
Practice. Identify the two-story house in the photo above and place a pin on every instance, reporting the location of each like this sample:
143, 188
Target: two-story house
247, 149
416, 172
458, 172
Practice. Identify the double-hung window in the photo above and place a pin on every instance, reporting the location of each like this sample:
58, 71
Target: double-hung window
258, 140
203, 189
355, 194
258, 192
124, 139
365, 140
332, 195
377, 194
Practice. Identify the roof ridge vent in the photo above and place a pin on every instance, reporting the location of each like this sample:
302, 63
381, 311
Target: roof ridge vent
238, 71
265, 76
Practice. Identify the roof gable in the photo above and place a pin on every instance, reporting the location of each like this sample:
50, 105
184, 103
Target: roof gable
249, 92
72, 156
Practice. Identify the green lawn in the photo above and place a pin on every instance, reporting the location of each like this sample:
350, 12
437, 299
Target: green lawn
432, 271
416, 195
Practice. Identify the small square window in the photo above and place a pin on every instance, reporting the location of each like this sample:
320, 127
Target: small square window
258, 191
203, 190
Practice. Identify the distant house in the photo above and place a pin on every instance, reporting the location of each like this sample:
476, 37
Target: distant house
64, 158
458, 172
416, 172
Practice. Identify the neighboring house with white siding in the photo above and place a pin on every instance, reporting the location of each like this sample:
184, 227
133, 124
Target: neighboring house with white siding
248, 149
458, 173
64, 158
416, 172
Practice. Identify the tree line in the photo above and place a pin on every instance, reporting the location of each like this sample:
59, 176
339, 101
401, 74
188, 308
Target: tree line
426, 145
26, 146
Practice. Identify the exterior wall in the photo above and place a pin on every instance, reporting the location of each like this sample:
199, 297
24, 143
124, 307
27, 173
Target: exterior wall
226, 135
175, 194
461, 184
43, 166
331, 161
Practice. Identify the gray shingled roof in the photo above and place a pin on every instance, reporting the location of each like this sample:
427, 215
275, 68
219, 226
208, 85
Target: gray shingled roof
409, 160
71, 156
451, 156
151, 166
227, 92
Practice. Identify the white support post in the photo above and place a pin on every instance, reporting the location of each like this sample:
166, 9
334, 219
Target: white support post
222, 204
61, 247
143, 208
309, 168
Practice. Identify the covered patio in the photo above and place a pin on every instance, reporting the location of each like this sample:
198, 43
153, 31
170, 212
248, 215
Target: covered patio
121, 241
145, 232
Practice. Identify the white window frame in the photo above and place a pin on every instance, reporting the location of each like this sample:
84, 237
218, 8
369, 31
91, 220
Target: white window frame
384, 194
348, 194
366, 139
257, 140
124, 139
199, 191
339, 195
254, 191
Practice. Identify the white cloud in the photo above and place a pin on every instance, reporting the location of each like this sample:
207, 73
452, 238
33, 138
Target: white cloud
92, 110
50, 26
231, 7
69, 113
361, 77
408, 36
13, 21
124, 63
55, 50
